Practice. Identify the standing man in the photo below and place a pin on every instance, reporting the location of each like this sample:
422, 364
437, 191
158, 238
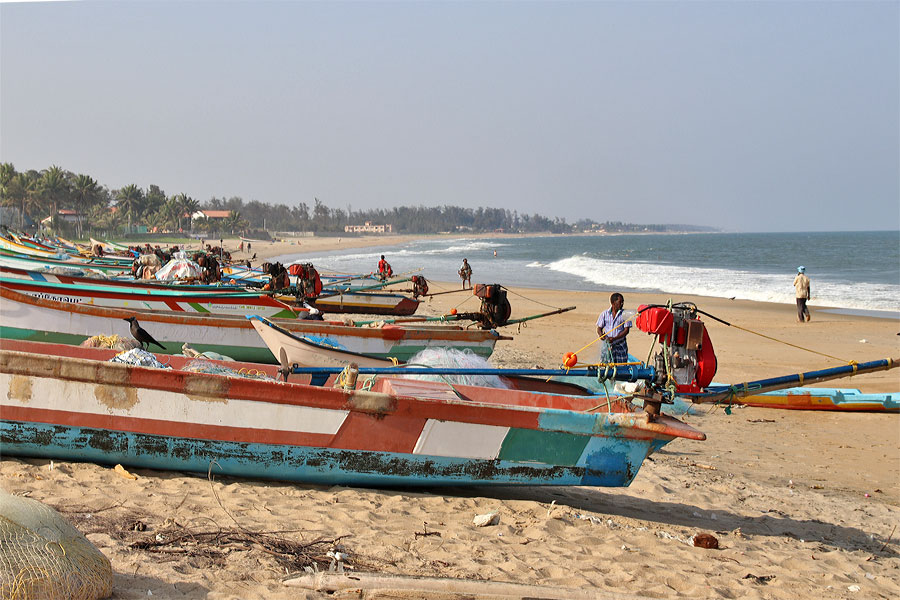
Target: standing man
612, 327
465, 272
384, 269
801, 284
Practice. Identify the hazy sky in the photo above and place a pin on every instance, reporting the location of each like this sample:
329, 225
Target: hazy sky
752, 116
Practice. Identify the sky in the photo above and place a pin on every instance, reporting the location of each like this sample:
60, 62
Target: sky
744, 116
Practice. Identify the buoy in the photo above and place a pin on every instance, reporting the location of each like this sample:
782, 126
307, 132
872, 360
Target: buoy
570, 359
452, 311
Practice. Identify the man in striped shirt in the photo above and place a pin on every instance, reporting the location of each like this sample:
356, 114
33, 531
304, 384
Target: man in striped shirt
612, 328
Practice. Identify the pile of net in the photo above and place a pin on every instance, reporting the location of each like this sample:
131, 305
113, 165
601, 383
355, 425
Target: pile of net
191, 353
138, 358
76, 272
452, 359
43, 556
110, 341
179, 268
204, 366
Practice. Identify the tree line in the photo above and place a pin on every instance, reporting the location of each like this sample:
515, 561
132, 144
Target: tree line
35, 195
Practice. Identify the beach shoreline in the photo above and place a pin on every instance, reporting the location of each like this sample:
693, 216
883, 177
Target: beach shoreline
834, 337
802, 502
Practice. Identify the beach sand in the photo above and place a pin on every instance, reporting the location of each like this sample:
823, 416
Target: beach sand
804, 504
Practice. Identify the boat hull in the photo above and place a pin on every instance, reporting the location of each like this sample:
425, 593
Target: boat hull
42, 320
368, 304
109, 296
76, 409
322, 350
824, 399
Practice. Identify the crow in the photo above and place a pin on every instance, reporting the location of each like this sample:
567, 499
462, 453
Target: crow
138, 333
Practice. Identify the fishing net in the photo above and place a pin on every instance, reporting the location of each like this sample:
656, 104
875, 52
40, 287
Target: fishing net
109, 341
204, 366
43, 556
179, 268
451, 358
76, 272
138, 358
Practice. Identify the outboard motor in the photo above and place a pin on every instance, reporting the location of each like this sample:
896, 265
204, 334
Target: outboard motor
309, 283
420, 286
495, 308
686, 361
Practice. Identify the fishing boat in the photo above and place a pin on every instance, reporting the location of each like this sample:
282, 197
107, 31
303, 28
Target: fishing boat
123, 282
70, 265
27, 317
365, 302
397, 432
398, 344
134, 297
110, 247
25, 250
381, 430
34, 263
806, 398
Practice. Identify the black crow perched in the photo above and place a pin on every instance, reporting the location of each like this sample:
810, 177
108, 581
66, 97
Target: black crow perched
138, 333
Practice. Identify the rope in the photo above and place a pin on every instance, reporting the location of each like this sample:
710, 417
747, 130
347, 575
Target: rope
849, 362
509, 291
594, 341
608, 401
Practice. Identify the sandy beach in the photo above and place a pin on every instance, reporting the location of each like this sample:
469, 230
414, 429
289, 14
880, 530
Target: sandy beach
803, 504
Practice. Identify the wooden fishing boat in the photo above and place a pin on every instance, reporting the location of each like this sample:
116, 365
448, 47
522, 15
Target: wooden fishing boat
805, 398
398, 432
368, 303
145, 298
33, 263
398, 343
124, 282
32, 318
110, 247
24, 250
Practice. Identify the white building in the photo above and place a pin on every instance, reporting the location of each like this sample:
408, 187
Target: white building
369, 228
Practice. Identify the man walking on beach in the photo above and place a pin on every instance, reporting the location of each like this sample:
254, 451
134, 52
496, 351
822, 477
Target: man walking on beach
801, 284
612, 328
465, 272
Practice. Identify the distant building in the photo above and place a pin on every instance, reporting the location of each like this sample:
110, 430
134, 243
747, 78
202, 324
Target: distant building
65, 214
210, 214
369, 228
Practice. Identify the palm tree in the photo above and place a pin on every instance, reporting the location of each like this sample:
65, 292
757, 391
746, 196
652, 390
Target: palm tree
10, 185
188, 206
54, 186
233, 221
85, 194
23, 189
129, 200
170, 215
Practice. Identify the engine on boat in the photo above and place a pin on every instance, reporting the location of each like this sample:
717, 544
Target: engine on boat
495, 308
309, 283
685, 361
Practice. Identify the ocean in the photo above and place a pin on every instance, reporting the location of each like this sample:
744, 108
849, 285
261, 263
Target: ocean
856, 271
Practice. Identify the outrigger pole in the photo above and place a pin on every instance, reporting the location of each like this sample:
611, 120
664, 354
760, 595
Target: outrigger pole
724, 392
319, 375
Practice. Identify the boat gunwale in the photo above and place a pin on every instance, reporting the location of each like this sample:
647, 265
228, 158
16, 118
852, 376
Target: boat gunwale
235, 321
636, 425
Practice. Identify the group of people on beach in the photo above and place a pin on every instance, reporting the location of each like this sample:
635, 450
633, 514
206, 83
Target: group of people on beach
612, 327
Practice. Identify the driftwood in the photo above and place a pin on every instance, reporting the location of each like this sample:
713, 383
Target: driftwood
380, 584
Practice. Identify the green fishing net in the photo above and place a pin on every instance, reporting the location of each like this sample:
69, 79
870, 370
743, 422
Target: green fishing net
43, 556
